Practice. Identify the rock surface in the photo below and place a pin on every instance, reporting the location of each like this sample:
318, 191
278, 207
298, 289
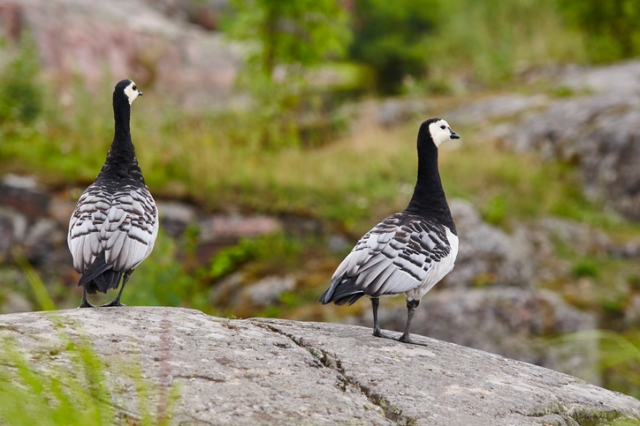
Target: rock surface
487, 255
261, 371
597, 132
503, 320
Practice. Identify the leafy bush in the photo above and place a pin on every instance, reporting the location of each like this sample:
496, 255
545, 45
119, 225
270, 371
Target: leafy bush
276, 248
489, 41
283, 41
390, 36
585, 268
20, 94
443, 43
611, 28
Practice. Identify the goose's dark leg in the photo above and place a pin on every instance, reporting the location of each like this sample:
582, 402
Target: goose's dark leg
85, 303
411, 309
116, 301
375, 301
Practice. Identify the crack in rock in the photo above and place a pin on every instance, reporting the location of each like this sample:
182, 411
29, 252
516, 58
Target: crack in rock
200, 377
331, 361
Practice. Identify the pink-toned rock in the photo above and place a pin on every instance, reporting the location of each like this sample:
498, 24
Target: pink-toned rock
125, 39
220, 228
22, 194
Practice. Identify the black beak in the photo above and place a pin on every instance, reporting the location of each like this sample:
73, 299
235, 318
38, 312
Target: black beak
453, 135
139, 93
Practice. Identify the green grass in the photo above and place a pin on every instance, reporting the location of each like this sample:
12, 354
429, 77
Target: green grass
619, 357
489, 42
73, 393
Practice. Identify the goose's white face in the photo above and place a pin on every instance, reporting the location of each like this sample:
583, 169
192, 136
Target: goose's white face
441, 132
132, 92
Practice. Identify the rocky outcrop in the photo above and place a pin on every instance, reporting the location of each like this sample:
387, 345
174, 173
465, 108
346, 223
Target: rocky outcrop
622, 78
600, 135
508, 321
597, 132
27, 219
261, 371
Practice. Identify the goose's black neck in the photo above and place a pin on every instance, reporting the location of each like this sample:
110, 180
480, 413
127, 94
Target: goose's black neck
428, 198
121, 163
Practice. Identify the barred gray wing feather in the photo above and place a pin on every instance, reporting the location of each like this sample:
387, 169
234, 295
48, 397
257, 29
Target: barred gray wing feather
123, 224
396, 256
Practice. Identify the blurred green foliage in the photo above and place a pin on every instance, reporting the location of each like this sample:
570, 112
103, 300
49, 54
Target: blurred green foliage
619, 357
162, 281
391, 37
296, 34
276, 248
490, 42
438, 45
20, 92
229, 259
585, 268
496, 210
284, 41
611, 28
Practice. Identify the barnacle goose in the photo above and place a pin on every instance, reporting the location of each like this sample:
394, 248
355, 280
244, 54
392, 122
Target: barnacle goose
115, 223
408, 252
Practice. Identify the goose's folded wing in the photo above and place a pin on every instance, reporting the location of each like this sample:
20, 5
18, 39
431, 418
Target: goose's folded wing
394, 257
138, 230
123, 225
85, 226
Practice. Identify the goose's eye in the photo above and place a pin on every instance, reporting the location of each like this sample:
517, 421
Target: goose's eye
136, 88
442, 127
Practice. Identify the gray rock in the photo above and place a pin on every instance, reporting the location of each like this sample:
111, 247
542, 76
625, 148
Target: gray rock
488, 255
632, 312
13, 227
495, 107
283, 372
268, 290
175, 217
505, 321
45, 243
243, 295
338, 244
628, 250
581, 238
20, 182
204, 13
393, 112
14, 303
61, 209
23, 195
623, 78
226, 291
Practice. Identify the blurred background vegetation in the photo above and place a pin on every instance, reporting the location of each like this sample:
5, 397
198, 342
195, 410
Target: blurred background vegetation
302, 148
